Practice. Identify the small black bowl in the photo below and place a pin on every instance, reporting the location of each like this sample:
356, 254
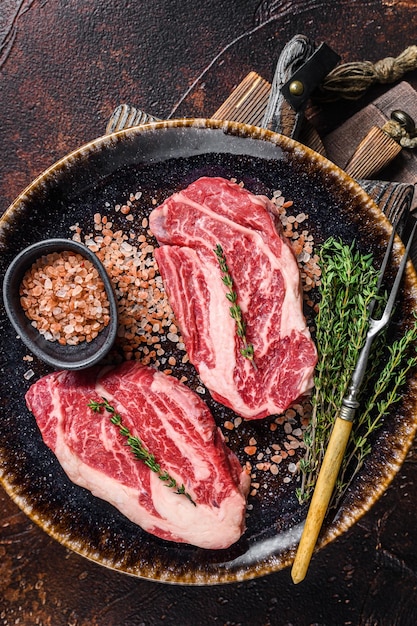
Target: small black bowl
58, 356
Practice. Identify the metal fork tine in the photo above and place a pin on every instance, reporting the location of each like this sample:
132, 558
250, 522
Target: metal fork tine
383, 266
394, 290
376, 325
386, 256
382, 269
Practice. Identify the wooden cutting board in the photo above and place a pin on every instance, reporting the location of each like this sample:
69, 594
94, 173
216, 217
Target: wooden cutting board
341, 143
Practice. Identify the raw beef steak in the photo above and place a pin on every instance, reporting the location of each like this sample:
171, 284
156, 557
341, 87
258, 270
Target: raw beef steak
173, 423
188, 226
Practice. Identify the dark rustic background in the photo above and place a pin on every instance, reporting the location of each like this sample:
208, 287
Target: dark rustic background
64, 66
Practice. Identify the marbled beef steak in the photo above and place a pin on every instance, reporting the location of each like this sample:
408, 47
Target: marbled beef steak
173, 423
189, 225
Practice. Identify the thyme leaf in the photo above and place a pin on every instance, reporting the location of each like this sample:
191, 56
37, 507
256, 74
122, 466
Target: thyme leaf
247, 349
137, 447
348, 285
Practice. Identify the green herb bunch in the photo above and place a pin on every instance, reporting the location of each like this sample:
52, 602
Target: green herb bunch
235, 311
348, 285
137, 447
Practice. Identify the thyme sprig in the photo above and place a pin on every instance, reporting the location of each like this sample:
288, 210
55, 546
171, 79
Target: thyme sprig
247, 350
348, 285
137, 447
387, 391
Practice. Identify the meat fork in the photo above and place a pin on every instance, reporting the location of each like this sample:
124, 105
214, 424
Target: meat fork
344, 421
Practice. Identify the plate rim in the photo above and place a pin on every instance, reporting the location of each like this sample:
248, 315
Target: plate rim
267, 565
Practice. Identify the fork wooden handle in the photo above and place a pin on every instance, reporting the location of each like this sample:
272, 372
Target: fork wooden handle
321, 497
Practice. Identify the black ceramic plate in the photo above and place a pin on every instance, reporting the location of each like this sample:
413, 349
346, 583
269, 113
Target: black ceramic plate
157, 160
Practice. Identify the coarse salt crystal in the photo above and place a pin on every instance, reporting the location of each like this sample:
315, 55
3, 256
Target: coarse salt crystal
126, 247
287, 428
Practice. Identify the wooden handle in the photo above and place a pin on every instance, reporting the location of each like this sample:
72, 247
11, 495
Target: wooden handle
247, 102
321, 497
374, 152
